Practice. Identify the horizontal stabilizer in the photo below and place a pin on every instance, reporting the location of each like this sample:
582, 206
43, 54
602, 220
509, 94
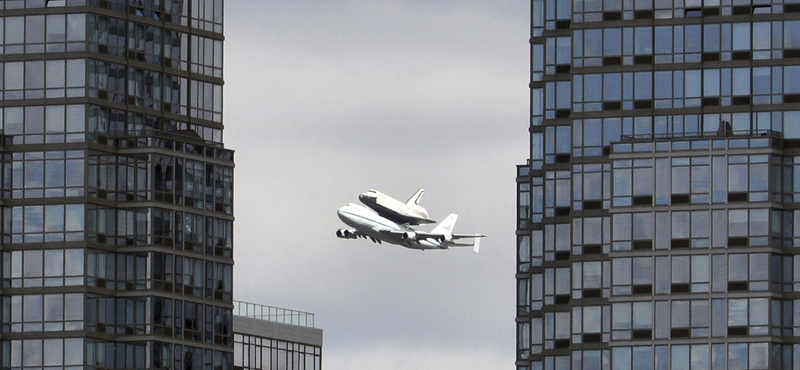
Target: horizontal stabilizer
464, 236
476, 243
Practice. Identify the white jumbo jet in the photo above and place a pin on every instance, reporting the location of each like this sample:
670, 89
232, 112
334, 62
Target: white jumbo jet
410, 212
368, 224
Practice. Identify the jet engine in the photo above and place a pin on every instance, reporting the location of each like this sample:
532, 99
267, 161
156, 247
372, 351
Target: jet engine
346, 234
409, 235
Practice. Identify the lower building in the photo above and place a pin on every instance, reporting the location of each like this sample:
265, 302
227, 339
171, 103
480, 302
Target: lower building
275, 338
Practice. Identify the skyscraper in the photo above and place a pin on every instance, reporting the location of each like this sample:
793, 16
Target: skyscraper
117, 188
658, 210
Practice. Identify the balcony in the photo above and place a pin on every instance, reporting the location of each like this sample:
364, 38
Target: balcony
273, 314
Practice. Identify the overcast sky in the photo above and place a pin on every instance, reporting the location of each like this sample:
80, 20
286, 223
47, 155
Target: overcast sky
326, 99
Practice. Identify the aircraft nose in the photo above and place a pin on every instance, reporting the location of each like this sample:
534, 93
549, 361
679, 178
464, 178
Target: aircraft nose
340, 213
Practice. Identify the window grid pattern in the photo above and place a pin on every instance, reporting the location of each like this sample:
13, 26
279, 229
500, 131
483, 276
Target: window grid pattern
253, 352
65, 224
657, 204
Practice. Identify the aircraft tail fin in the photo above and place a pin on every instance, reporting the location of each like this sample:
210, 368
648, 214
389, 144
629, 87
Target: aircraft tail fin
446, 226
416, 197
444, 233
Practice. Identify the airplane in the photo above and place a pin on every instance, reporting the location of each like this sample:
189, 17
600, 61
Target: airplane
368, 224
410, 212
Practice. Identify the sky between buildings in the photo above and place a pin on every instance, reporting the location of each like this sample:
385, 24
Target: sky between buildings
326, 99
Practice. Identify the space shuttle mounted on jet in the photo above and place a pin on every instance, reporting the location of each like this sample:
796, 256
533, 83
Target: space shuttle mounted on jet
410, 212
368, 224
389, 220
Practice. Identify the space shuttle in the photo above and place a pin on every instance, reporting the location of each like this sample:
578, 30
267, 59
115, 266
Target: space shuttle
408, 213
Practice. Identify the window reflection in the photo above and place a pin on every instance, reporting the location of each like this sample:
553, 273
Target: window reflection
44, 224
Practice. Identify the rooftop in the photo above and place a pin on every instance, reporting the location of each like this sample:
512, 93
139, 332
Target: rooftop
273, 314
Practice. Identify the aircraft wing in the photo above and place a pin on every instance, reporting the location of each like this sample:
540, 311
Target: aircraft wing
412, 236
353, 234
426, 235
415, 235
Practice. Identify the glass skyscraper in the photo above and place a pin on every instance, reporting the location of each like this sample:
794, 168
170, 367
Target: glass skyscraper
659, 211
116, 186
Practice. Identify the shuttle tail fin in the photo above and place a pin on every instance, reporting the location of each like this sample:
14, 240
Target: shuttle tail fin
416, 197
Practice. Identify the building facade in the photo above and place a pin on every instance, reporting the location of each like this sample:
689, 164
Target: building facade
117, 189
267, 337
658, 210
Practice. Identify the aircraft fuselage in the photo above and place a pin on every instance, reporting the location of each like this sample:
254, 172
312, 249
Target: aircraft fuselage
371, 224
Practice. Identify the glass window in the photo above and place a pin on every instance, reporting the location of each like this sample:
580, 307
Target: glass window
14, 76
56, 75
663, 40
680, 225
761, 35
621, 358
642, 271
13, 26
643, 315
692, 83
741, 81
737, 267
612, 86
663, 79
33, 219
711, 37
644, 41
791, 34
680, 357
642, 357
612, 41
563, 55
737, 312
643, 85
76, 27
700, 357
700, 269
693, 38
34, 29
791, 79
741, 36
34, 75
56, 28
592, 42
759, 355
680, 269
54, 218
